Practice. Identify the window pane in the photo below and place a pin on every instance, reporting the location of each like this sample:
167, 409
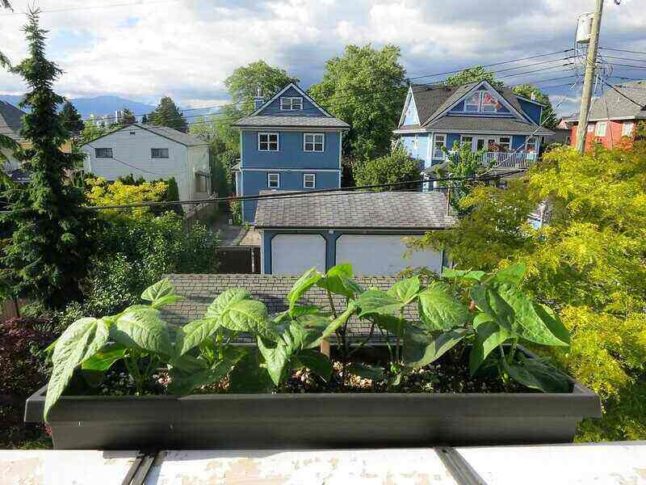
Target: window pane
489, 103
103, 152
472, 103
600, 129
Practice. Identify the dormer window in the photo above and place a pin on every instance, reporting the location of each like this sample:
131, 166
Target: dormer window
482, 102
291, 103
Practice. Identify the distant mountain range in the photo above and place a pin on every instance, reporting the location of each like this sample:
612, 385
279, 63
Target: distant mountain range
107, 105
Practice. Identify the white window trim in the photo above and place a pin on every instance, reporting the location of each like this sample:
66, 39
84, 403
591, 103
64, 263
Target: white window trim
290, 106
314, 143
480, 109
591, 127
269, 175
305, 176
627, 128
167, 151
535, 143
436, 138
597, 130
269, 133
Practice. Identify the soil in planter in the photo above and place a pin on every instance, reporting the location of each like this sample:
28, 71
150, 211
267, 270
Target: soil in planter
449, 374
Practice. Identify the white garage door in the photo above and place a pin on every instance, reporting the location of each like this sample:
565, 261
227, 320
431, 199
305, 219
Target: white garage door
382, 255
293, 254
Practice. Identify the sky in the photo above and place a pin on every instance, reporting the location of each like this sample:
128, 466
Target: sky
143, 49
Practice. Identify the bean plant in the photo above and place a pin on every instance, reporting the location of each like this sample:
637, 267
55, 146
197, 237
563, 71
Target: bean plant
489, 315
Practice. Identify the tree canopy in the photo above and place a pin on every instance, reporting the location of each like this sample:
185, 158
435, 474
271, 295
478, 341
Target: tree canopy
71, 118
364, 87
471, 75
47, 255
389, 169
168, 114
127, 117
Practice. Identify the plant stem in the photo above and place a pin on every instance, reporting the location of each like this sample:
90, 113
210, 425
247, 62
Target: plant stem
512, 352
363, 342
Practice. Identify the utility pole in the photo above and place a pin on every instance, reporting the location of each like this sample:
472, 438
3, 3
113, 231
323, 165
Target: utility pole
588, 80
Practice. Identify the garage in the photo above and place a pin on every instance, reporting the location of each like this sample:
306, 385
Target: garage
382, 254
293, 254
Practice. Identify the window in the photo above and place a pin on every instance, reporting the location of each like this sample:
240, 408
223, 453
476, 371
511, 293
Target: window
201, 182
467, 140
103, 152
600, 129
472, 104
489, 103
133, 132
504, 142
268, 142
309, 181
313, 142
294, 103
627, 128
273, 180
590, 127
159, 153
438, 144
530, 144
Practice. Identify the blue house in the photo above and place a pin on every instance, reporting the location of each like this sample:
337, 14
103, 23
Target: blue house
504, 126
288, 143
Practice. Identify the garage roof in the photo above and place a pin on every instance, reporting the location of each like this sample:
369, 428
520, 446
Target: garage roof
354, 210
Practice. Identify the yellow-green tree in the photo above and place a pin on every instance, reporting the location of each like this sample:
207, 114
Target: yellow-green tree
589, 261
100, 192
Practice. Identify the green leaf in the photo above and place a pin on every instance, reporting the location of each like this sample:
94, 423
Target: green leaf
389, 323
184, 383
366, 371
316, 362
534, 322
166, 300
462, 274
248, 376
80, 341
489, 336
276, 359
337, 323
511, 275
302, 285
491, 302
537, 374
406, 290
482, 318
439, 309
235, 311
105, 358
159, 290
142, 327
373, 302
188, 364
422, 348
194, 333
338, 280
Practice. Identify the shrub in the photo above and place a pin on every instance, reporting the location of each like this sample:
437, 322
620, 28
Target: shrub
394, 168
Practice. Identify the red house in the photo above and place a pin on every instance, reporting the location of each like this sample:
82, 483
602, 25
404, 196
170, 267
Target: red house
614, 116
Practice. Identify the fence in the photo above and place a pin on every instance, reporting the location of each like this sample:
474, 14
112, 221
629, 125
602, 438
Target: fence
239, 259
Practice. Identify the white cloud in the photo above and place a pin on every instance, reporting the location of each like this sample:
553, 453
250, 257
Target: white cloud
187, 48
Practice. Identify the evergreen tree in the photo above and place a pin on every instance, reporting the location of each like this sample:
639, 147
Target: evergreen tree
168, 114
71, 119
47, 255
127, 117
144, 119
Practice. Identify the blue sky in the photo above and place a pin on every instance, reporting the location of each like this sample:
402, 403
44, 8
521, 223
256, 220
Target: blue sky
142, 49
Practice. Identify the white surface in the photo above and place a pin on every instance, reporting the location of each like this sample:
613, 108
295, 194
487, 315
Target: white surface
382, 255
332, 467
611, 463
133, 151
293, 254
64, 467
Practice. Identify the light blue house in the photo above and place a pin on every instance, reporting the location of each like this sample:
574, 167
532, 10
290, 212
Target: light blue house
288, 143
505, 126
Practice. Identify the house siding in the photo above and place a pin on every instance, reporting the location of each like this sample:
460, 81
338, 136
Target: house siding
273, 108
534, 111
612, 138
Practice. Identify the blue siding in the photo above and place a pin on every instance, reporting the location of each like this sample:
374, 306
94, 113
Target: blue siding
290, 152
517, 142
273, 109
451, 139
532, 110
411, 117
255, 181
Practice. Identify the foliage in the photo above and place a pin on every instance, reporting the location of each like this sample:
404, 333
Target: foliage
92, 131
396, 167
589, 261
548, 117
235, 207
22, 342
127, 117
490, 311
51, 242
168, 114
71, 119
365, 88
172, 194
223, 149
471, 75
100, 192
245, 81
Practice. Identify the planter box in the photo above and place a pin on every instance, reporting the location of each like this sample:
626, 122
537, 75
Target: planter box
313, 420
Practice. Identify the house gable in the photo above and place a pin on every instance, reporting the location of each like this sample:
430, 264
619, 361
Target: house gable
410, 116
483, 100
291, 101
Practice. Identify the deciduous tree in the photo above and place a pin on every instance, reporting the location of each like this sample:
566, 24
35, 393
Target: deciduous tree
472, 75
389, 169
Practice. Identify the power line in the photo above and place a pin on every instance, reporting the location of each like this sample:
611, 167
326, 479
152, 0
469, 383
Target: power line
622, 94
623, 50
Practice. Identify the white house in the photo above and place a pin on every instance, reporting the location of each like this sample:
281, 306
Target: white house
152, 152
10, 124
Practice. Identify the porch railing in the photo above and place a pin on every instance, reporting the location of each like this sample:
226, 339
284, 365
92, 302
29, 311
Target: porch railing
509, 159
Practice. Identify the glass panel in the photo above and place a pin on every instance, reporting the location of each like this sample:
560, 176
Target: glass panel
489, 103
472, 103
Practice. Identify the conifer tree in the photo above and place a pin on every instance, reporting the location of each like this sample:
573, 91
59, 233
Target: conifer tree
168, 114
71, 119
46, 257
127, 117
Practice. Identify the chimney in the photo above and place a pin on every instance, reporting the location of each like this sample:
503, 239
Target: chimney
258, 100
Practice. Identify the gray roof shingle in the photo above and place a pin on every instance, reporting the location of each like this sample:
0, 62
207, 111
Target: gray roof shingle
291, 121
353, 209
199, 290
613, 105
10, 120
492, 125
175, 135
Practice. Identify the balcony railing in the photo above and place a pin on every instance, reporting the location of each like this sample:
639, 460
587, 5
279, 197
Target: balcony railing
509, 159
